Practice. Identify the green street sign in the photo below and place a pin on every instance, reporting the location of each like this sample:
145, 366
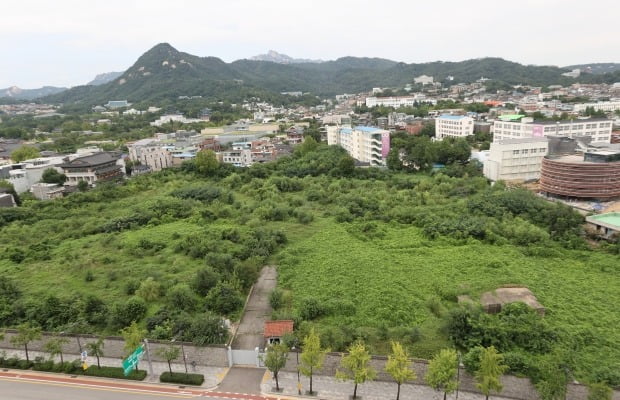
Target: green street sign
130, 362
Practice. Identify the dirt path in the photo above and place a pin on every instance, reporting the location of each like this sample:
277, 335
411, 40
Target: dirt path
250, 331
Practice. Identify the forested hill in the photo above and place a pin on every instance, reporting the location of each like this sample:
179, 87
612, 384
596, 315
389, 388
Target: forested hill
164, 73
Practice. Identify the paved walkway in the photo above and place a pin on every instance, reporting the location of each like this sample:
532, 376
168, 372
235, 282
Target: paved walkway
242, 380
258, 310
333, 389
213, 375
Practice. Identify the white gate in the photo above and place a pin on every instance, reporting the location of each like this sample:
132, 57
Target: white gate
244, 357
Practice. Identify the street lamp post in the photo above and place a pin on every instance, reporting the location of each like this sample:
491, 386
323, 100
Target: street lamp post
297, 358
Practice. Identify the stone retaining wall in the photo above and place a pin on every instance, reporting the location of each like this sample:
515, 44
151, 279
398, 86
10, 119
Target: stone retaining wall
216, 356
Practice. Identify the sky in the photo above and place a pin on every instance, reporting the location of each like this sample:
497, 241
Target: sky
68, 42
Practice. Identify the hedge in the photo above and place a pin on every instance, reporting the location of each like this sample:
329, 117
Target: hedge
111, 372
15, 363
75, 368
179, 377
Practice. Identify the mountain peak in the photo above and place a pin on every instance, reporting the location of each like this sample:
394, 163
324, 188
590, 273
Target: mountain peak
274, 56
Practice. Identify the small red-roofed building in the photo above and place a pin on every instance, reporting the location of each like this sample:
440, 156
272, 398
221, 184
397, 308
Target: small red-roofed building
274, 330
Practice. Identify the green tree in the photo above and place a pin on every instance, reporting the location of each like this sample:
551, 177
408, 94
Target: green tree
149, 289
96, 349
205, 280
54, 346
224, 298
399, 366
26, 333
275, 359
309, 145
441, 374
356, 366
169, 353
133, 336
489, 372
312, 356
599, 391
181, 297
24, 153
206, 162
82, 186
50, 175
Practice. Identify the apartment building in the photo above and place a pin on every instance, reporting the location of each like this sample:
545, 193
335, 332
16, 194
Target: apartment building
363, 143
458, 126
607, 106
152, 153
519, 126
516, 159
396, 102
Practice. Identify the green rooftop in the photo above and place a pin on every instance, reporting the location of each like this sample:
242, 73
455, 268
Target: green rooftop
612, 218
511, 117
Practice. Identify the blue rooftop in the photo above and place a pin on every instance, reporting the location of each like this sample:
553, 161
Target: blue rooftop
453, 117
346, 130
368, 129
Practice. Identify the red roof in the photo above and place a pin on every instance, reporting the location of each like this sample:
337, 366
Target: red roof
278, 328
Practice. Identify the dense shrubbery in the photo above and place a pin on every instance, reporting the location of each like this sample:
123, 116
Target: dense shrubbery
368, 253
181, 378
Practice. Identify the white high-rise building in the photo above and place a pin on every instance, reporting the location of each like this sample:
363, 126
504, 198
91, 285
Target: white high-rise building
458, 126
363, 143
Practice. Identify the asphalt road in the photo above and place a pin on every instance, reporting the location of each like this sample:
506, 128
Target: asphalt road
52, 388
14, 389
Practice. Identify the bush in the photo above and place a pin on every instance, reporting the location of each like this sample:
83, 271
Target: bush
47, 366
275, 299
181, 378
472, 359
311, 308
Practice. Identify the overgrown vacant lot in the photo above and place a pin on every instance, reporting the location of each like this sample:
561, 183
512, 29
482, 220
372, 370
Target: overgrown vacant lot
363, 254
403, 279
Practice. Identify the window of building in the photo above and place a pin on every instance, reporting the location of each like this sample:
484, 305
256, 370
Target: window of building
524, 151
515, 152
542, 150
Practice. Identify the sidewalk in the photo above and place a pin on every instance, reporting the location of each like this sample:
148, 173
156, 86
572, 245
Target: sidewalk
213, 375
332, 389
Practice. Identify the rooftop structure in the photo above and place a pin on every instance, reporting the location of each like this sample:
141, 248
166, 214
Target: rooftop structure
606, 224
